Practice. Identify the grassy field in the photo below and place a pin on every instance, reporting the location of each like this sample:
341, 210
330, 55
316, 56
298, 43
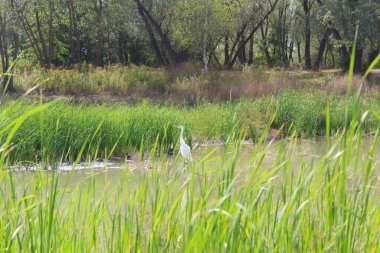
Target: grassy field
65, 129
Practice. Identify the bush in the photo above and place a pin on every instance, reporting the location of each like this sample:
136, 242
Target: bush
88, 80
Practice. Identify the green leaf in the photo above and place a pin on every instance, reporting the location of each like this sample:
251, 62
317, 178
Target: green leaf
373, 64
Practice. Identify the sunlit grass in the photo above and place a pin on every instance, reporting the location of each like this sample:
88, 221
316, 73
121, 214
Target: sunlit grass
331, 204
59, 133
279, 202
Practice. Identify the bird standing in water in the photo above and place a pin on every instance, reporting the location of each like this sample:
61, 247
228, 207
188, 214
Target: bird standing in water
184, 148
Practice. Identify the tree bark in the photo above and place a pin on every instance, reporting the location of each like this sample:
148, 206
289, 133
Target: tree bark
226, 51
205, 40
299, 52
41, 43
122, 47
332, 57
152, 38
26, 26
264, 33
45, 53
250, 52
321, 50
7, 70
306, 8
98, 8
75, 36
291, 48
343, 51
164, 38
358, 67
235, 53
242, 55
50, 34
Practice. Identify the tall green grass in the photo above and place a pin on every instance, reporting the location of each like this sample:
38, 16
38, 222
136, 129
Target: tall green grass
305, 113
61, 132
278, 203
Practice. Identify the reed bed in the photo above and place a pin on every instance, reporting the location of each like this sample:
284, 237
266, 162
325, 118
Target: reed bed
212, 204
329, 203
59, 133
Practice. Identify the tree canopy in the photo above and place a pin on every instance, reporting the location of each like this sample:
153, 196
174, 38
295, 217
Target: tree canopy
224, 33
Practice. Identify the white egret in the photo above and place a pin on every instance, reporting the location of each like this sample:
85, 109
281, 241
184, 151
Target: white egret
184, 148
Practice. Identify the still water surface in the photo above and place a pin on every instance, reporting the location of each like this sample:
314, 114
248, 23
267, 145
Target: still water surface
300, 152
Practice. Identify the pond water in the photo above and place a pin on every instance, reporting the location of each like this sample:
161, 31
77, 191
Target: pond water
299, 152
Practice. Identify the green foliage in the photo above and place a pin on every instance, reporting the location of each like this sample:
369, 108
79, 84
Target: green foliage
328, 202
276, 199
61, 132
88, 80
305, 114
53, 33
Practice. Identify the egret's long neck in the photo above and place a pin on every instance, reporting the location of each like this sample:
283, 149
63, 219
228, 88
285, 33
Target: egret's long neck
181, 140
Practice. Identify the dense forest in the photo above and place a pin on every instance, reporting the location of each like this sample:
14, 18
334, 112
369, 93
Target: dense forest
220, 33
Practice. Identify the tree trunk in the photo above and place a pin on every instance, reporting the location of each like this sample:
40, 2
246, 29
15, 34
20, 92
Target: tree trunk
122, 48
16, 46
7, 81
50, 34
250, 53
226, 51
98, 7
75, 36
326, 56
299, 52
332, 57
241, 46
268, 57
242, 55
205, 40
321, 50
20, 16
16, 40
358, 67
266, 51
307, 34
286, 51
156, 49
45, 54
291, 48
342, 49
164, 38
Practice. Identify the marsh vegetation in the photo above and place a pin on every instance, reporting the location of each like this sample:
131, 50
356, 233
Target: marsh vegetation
267, 197
278, 101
